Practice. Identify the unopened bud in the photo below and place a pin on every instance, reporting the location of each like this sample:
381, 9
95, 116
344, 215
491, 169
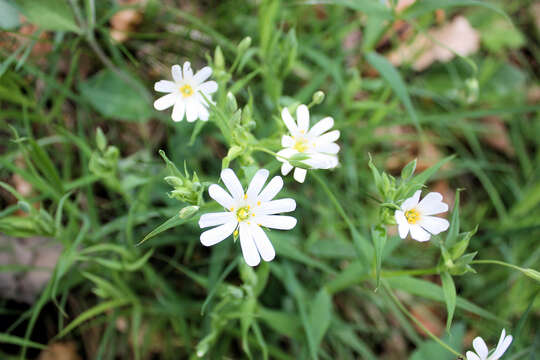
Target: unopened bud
188, 211
318, 97
244, 44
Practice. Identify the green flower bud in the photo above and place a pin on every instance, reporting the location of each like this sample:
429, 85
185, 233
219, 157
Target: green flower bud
188, 211
244, 44
318, 97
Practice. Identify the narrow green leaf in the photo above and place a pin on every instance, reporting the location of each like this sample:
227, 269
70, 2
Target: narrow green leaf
15, 340
433, 291
449, 290
428, 173
114, 97
369, 7
426, 6
453, 232
90, 313
392, 76
172, 222
50, 14
378, 235
320, 315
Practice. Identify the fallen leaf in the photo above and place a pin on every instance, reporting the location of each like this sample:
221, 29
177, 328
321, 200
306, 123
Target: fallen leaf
496, 135
427, 316
123, 22
60, 351
424, 50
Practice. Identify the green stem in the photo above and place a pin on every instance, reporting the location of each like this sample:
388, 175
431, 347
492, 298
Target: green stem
418, 323
411, 272
497, 262
357, 238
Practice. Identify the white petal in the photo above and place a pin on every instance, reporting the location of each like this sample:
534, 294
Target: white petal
321, 127
431, 204
166, 101
302, 117
249, 250
328, 137
213, 219
233, 184
502, 346
280, 222
289, 121
263, 243
203, 113
300, 174
217, 234
208, 87
188, 73
285, 154
178, 110
286, 168
321, 161
272, 189
327, 148
287, 141
192, 111
419, 234
480, 347
217, 193
176, 72
433, 224
472, 356
276, 207
202, 75
257, 183
165, 86
411, 202
403, 225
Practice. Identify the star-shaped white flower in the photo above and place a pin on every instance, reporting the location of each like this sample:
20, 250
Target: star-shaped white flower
247, 212
415, 216
185, 93
316, 143
482, 350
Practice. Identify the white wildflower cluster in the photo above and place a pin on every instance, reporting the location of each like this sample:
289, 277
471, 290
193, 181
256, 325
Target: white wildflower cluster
247, 212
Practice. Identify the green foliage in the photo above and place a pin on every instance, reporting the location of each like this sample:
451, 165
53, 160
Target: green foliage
131, 267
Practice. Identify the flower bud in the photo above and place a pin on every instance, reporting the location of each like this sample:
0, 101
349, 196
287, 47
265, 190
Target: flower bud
318, 97
188, 211
244, 44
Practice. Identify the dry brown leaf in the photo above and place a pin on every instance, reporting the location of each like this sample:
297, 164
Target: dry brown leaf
426, 315
123, 22
424, 50
497, 135
36, 252
60, 351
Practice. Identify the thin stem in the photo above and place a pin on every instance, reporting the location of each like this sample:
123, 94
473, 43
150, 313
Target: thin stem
413, 272
420, 325
357, 238
497, 262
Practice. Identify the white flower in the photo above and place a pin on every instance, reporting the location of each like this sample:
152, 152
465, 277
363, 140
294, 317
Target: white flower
185, 93
415, 216
316, 143
482, 350
247, 212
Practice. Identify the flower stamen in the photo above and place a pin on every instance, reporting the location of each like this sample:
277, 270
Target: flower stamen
412, 215
301, 145
242, 213
186, 90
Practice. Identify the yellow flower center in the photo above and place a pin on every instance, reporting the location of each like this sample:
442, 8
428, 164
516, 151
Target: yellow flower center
186, 90
242, 213
413, 216
301, 145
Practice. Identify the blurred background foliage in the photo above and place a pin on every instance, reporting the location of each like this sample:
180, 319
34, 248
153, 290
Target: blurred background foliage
82, 180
